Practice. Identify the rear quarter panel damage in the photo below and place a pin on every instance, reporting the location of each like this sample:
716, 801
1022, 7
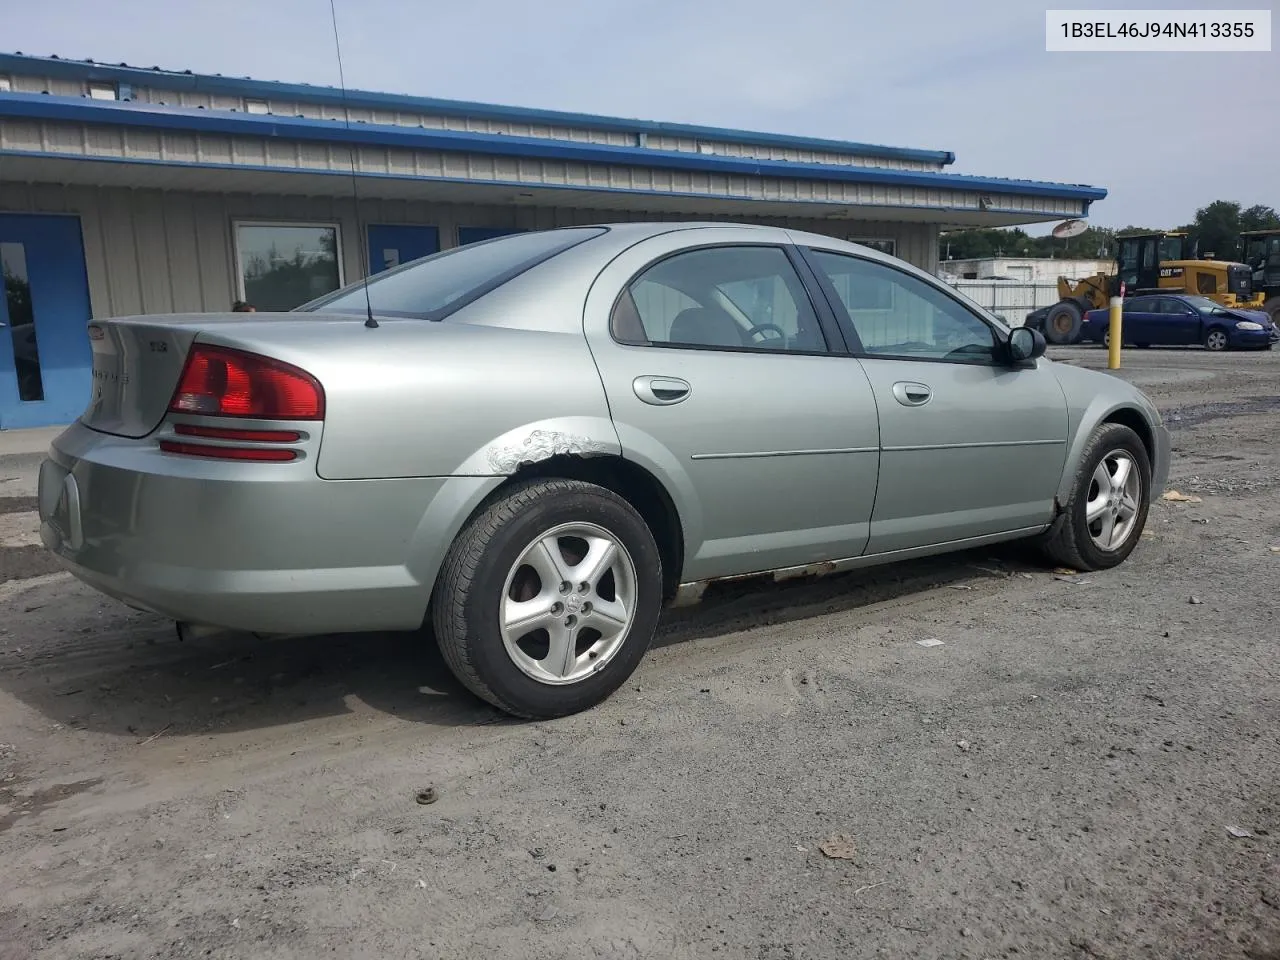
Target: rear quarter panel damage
420, 399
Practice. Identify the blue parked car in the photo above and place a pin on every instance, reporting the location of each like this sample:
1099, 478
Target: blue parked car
1179, 318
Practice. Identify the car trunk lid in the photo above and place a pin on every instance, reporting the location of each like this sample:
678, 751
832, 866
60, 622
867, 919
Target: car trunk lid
138, 361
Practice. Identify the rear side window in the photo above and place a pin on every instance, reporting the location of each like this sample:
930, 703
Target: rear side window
433, 288
726, 298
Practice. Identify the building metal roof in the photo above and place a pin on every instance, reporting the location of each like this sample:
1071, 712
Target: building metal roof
186, 80
161, 118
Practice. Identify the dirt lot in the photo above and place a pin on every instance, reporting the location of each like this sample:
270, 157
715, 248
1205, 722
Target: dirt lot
1057, 780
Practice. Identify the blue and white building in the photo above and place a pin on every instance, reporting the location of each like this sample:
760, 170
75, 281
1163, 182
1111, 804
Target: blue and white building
126, 190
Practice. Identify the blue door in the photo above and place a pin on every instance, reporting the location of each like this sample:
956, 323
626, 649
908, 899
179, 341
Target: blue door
393, 244
1181, 323
45, 359
476, 234
1140, 322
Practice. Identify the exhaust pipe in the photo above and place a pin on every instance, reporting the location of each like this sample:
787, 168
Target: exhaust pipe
200, 631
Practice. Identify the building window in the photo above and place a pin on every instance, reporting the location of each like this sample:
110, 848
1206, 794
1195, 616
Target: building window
284, 265
102, 91
883, 246
257, 106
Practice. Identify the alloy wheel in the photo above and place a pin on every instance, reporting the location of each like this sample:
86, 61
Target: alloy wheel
1115, 493
568, 603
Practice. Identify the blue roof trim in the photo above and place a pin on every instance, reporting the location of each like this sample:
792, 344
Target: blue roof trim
151, 116
345, 175
366, 99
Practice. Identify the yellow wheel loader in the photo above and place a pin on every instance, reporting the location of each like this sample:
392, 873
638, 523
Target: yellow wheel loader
1146, 263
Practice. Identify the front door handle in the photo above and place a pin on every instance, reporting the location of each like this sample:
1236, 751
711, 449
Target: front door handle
912, 394
661, 391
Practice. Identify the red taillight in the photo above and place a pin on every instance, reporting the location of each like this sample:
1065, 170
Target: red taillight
260, 454
221, 382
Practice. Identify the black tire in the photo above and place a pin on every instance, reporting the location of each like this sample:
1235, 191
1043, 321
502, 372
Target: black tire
469, 589
1272, 309
1216, 339
1064, 322
1069, 542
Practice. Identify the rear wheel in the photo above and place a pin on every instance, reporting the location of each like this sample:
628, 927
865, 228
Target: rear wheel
1107, 509
549, 598
1215, 339
1064, 322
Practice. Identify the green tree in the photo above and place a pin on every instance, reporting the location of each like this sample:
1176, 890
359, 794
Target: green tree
1260, 217
1217, 228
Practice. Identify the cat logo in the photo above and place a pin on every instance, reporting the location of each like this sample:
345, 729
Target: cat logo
1170, 272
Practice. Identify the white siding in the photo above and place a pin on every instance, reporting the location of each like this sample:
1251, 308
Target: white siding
515, 128
84, 142
151, 251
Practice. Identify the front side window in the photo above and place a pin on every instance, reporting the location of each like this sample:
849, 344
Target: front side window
735, 298
1172, 308
283, 265
434, 287
897, 315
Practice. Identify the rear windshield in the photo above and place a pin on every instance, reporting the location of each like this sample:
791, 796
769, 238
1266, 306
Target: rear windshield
436, 286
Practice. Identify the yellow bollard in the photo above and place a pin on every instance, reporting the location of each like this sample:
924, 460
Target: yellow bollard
1113, 351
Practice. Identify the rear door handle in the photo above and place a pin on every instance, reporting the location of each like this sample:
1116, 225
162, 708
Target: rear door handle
661, 391
911, 394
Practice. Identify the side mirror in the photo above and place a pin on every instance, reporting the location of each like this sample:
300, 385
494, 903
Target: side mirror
1025, 344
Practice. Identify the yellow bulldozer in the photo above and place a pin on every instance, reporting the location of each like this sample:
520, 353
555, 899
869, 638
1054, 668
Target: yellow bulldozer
1147, 263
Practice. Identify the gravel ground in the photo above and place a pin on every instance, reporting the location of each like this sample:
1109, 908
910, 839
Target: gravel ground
1060, 778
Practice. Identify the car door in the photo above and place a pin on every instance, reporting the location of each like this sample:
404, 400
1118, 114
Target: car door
1180, 323
971, 446
727, 381
1140, 322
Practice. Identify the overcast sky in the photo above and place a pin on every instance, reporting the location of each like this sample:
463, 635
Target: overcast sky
1165, 133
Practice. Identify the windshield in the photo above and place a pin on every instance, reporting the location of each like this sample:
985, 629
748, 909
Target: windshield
1205, 305
1170, 248
436, 286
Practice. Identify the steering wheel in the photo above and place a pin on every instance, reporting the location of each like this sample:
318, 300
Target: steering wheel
763, 327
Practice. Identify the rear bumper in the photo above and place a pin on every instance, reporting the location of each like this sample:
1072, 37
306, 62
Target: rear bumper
270, 548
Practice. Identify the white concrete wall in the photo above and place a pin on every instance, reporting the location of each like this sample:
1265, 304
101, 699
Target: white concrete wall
153, 251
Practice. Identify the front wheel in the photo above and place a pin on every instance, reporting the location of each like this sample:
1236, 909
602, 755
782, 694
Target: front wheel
1215, 339
1107, 508
549, 598
1063, 323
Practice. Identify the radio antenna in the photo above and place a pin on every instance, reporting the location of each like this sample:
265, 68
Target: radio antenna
355, 187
